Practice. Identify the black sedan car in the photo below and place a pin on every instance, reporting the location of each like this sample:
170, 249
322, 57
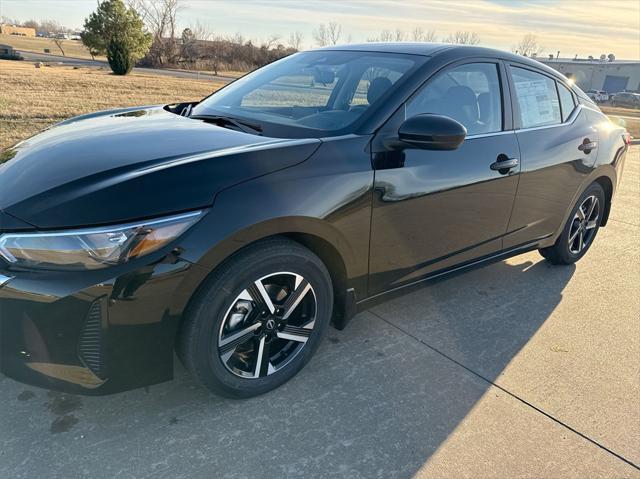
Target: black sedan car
235, 229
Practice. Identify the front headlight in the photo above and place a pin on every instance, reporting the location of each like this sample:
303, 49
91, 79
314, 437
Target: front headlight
93, 248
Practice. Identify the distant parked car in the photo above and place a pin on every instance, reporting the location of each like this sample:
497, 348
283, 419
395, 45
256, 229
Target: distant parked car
631, 100
598, 95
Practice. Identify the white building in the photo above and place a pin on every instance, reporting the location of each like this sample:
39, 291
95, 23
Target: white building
611, 76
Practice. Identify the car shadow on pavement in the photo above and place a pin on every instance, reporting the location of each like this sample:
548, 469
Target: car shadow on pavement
377, 400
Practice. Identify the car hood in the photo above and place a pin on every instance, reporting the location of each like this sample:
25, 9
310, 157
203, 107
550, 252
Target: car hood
121, 165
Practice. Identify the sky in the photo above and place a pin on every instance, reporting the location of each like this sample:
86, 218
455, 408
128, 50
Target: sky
582, 27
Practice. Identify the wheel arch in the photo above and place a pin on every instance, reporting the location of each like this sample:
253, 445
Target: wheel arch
319, 236
605, 176
607, 185
332, 259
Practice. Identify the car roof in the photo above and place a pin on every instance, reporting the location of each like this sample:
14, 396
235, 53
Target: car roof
411, 48
434, 49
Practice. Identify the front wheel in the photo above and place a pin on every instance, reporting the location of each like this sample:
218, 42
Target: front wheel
580, 230
258, 320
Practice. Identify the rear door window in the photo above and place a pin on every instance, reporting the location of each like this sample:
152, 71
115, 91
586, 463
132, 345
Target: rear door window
537, 98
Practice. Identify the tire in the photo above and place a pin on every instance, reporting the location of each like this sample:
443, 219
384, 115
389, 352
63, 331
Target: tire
227, 334
580, 230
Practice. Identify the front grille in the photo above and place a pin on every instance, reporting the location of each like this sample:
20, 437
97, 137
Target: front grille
90, 347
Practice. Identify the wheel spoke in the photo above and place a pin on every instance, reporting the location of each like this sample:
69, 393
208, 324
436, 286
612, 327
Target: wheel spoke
592, 207
591, 224
581, 241
580, 212
573, 237
295, 298
231, 342
263, 366
260, 295
294, 333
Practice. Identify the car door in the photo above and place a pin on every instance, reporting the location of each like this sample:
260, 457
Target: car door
553, 132
436, 209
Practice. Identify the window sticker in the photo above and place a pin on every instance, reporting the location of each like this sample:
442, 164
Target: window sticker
536, 102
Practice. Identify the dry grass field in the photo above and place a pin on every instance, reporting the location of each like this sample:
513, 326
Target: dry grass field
33, 98
72, 48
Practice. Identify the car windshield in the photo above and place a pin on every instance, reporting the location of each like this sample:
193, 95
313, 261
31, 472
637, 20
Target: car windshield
318, 93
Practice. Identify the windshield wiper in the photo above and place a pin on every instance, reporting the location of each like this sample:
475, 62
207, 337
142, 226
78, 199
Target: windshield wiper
242, 125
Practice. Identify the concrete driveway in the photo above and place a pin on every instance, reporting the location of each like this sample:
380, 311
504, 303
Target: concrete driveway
520, 369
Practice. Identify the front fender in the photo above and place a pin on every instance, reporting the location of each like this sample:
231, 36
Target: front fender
291, 225
327, 197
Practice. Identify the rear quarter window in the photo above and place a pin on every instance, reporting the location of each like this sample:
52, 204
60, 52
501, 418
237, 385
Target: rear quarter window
584, 99
567, 103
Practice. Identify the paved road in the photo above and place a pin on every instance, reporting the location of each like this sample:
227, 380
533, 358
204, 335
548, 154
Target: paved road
519, 369
82, 62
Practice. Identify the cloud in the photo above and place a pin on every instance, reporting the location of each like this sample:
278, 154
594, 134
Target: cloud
570, 26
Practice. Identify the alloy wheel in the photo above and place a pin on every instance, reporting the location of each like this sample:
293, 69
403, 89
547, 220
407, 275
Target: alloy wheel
583, 225
267, 325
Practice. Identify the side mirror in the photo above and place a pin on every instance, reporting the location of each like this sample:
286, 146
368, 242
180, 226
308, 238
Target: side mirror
431, 132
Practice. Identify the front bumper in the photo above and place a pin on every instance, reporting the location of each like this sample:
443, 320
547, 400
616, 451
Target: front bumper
94, 332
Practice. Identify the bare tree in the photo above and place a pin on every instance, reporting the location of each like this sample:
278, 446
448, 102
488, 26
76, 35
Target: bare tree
58, 42
418, 34
31, 24
463, 38
384, 36
236, 39
201, 31
321, 36
335, 32
327, 34
270, 42
295, 40
50, 26
430, 36
528, 46
160, 16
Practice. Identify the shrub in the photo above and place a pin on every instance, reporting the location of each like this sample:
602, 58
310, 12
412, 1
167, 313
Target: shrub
119, 58
118, 32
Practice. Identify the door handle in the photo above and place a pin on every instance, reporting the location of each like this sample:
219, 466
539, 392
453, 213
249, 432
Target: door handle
587, 146
504, 164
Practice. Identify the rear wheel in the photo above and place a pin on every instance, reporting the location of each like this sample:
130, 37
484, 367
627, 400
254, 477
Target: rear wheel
581, 228
258, 320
